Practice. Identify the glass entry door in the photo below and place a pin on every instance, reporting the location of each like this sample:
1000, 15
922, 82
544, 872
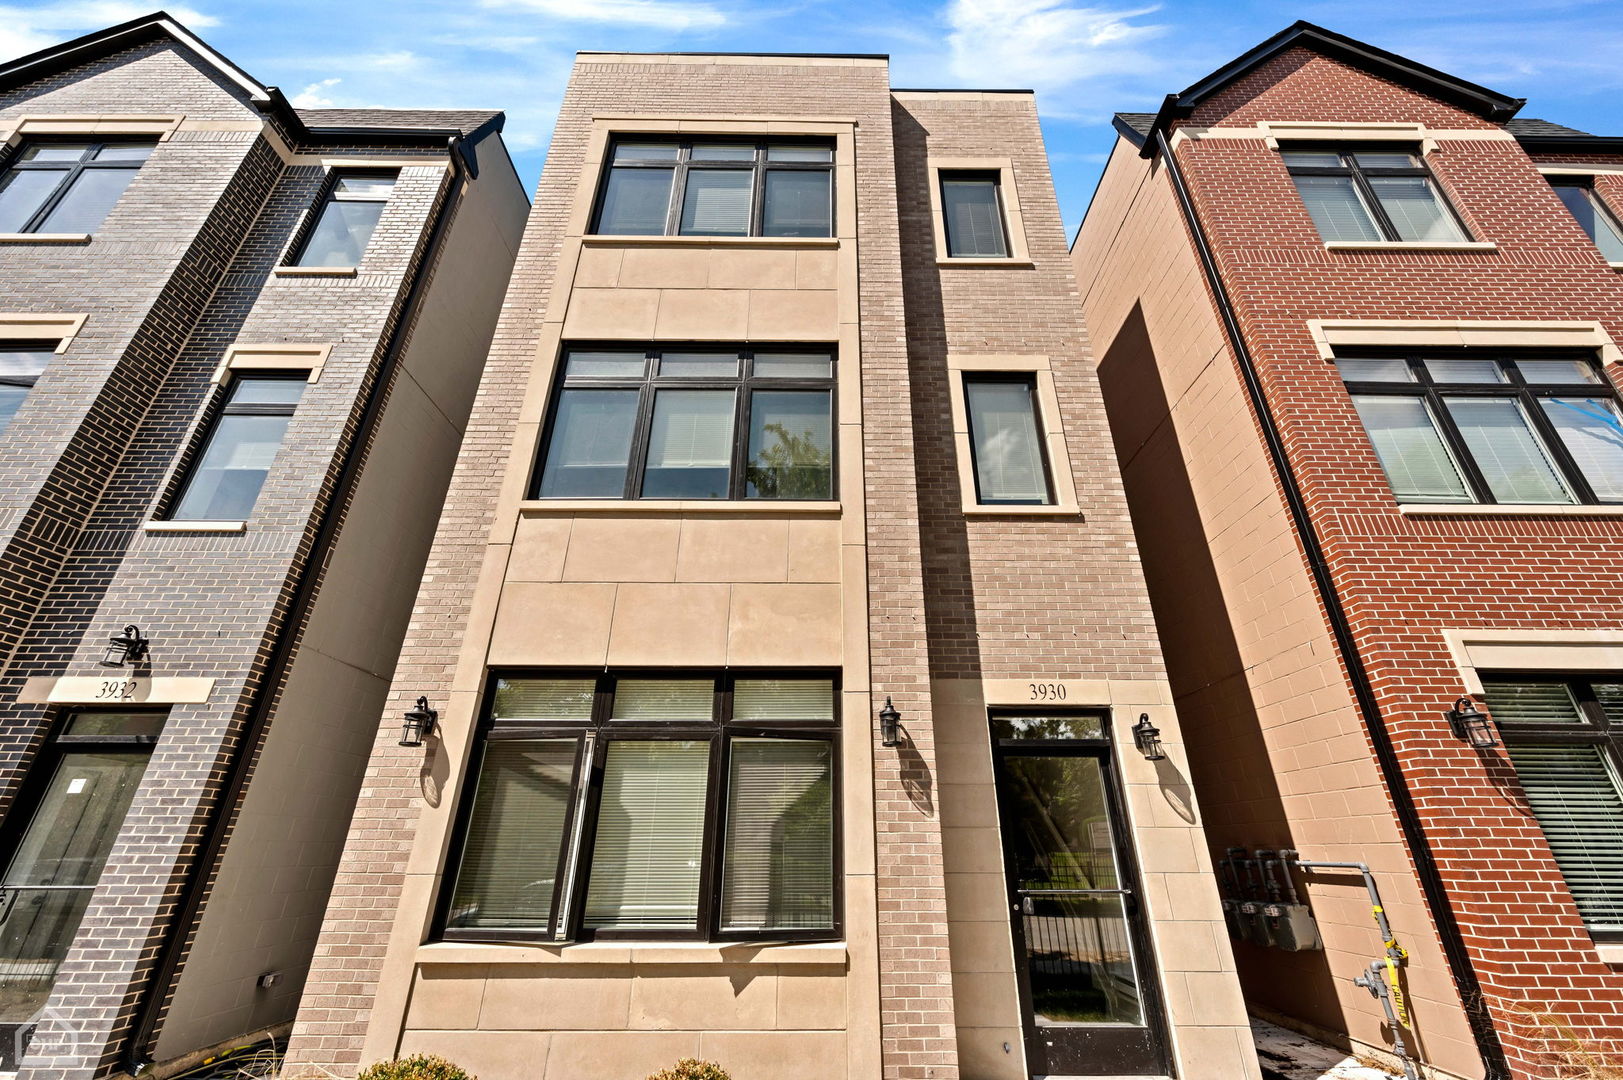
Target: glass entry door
67, 823
1087, 983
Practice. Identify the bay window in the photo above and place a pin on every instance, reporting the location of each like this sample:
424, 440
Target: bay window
662, 806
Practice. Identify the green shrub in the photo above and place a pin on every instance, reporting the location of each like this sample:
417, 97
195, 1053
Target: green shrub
416, 1067
690, 1069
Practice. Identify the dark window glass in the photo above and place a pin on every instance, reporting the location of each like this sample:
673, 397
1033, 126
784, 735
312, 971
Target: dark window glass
1578, 195
691, 424
1010, 466
346, 220
21, 363
224, 482
972, 213
1371, 195
1525, 430
634, 806
717, 189
66, 187
1565, 739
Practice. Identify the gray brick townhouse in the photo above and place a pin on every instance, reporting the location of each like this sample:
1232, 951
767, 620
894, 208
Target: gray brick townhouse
239, 343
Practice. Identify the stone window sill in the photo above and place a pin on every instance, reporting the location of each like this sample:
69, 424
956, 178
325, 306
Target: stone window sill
677, 506
1610, 952
195, 526
634, 953
608, 240
315, 271
993, 510
1017, 264
1615, 265
1410, 245
44, 238
1509, 510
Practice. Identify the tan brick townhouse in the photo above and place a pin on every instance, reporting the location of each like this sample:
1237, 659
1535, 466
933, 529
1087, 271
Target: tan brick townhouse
791, 690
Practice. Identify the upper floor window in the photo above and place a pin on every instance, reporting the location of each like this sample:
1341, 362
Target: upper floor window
236, 456
66, 187
20, 364
1372, 195
972, 215
717, 188
343, 226
1006, 440
1578, 193
1565, 739
670, 806
691, 423
1504, 430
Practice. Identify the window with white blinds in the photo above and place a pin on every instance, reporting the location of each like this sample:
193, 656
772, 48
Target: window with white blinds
651, 806
1509, 429
1371, 195
718, 188
1565, 739
699, 423
1010, 466
972, 214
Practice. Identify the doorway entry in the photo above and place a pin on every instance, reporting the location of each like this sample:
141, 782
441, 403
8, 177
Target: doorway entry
1088, 992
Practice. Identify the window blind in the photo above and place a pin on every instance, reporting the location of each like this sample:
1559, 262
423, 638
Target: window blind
1593, 435
1531, 703
1581, 201
543, 699
973, 220
1008, 450
650, 836
510, 860
692, 429
783, 699
1510, 456
778, 872
1412, 205
717, 202
1574, 792
1411, 451
664, 699
635, 202
1336, 208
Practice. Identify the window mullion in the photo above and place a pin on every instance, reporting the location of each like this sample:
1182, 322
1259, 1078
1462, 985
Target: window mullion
1456, 444
736, 485
710, 849
69, 175
640, 438
758, 194
679, 184
1376, 209
1546, 433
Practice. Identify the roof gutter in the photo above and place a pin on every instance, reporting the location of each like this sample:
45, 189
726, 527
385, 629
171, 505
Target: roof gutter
174, 933
1455, 952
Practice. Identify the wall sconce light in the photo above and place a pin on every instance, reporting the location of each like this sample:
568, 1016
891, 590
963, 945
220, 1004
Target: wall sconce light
890, 725
420, 724
1470, 725
127, 647
1147, 737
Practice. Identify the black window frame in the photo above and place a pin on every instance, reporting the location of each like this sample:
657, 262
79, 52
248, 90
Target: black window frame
1598, 729
24, 382
995, 178
683, 163
1029, 380
1360, 175
1514, 388
328, 195
71, 170
219, 408
1586, 182
574, 872
744, 384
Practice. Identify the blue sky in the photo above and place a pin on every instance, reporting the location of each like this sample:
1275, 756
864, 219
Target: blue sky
1085, 62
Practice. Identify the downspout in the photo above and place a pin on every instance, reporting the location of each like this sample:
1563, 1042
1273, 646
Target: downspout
137, 1056
1414, 834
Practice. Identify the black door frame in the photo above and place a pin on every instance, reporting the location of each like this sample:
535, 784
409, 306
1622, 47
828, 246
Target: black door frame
1156, 1059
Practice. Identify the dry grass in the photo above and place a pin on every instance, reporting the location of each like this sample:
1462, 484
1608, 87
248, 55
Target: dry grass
1572, 1056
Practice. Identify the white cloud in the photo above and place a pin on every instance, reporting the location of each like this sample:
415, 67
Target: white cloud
663, 14
311, 96
28, 29
1047, 44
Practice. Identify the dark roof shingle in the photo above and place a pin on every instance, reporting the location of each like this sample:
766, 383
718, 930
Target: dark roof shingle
461, 121
1520, 126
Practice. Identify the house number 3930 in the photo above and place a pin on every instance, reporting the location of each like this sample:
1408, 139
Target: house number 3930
1047, 691
116, 690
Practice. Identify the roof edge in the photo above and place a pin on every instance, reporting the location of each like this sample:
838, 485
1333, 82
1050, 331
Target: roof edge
1574, 144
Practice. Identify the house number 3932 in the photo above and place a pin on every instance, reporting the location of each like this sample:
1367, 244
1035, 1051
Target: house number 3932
1047, 691
116, 690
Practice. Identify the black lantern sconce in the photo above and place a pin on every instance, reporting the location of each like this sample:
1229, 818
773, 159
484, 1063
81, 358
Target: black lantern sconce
124, 648
420, 724
890, 725
1471, 726
1147, 737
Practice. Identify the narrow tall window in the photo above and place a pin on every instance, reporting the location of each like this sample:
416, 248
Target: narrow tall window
20, 365
1010, 466
1491, 430
1565, 738
691, 424
641, 806
66, 187
1371, 195
972, 213
717, 188
1577, 193
230, 469
346, 220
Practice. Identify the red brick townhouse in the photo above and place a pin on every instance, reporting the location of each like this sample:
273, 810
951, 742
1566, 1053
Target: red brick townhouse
1357, 333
